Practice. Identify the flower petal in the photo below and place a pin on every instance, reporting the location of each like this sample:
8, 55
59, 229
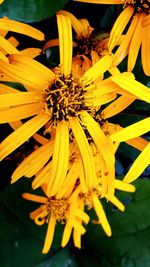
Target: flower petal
22, 134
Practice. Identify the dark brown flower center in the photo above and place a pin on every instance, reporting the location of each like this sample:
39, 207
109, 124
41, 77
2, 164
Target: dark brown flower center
85, 45
139, 5
64, 98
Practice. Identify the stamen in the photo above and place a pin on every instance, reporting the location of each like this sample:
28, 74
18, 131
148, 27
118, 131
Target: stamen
64, 98
139, 5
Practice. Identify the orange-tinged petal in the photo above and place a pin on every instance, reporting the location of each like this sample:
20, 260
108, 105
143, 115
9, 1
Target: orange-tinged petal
19, 27
22, 134
31, 52
51, 43
7, 46
4, 89
146, 21
3, 57
145, 50
35, 198
139, 165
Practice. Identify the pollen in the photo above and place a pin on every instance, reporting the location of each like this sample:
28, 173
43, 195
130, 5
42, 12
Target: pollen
54, 207
139, 5
64, 98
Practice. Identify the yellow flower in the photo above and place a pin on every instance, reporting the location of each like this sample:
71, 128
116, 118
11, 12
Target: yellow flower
69, 210
66, 104
55, 97
60, 210
88, 49
137, 35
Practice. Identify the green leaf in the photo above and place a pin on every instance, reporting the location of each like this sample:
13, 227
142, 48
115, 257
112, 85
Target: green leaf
129, 245
21, 240
30, 10
63, 258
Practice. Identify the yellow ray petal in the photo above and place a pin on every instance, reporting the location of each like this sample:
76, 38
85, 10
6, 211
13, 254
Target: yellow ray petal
3, 57
31, 65
20, 98
123, 49
97, 69
60, 159
86, 155
101, 214
120, 185
139, 143
115, 201
145, 50
70, 181
74, 21
34, 162
117, 106
13, 41
139, 165
4, 89
31, 52
16, 26
119, 26
42, 176
77, 239
35, 198
1, 1
146, 21
135, 43
22, 134
7, 46
102, 145
65, 43
26, 77
51, 43
132, 131
134, 87
20, 112
49, 234
66, 234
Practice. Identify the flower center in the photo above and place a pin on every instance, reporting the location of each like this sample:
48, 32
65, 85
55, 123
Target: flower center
139, 5
85, 45
58, 208
54, 207
64, 98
